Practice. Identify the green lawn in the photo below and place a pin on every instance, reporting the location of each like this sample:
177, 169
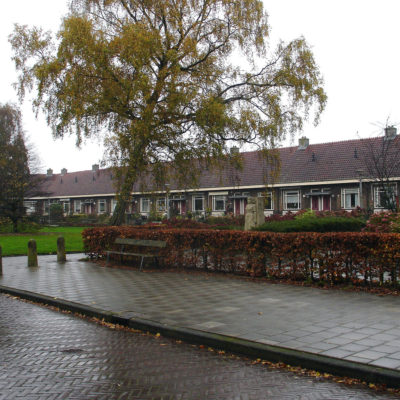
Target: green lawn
46, 240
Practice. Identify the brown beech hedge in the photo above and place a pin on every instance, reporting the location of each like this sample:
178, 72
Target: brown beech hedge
359, 258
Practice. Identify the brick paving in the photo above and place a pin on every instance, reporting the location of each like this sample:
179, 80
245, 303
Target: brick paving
358, 327
49, 355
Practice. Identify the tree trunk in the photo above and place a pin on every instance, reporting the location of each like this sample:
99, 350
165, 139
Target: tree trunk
124, 195
15, 225
118, 217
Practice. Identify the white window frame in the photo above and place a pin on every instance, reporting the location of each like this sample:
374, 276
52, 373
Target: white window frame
101, 202
266, 195
197, 197
216, 198
143, 201
66, 207
77, 206
30, 207
46, 206
348, 192
288, 193
378, 190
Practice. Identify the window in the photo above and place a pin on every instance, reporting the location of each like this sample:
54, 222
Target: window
30, 207
77, 206
102, 206
161, 204
145, 205
385, 196
268, 200
350, 198
292, 200
219, 203
65, 207
198, 203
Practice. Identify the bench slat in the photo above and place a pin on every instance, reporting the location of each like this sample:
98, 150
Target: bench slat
130, 254
138, 242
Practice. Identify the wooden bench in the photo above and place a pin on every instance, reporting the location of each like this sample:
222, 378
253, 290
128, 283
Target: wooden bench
155, 244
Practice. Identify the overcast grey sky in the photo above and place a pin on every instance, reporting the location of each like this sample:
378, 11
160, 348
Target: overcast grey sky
355, 43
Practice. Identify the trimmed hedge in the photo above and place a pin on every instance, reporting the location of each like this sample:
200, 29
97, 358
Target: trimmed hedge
359, 258
314, 224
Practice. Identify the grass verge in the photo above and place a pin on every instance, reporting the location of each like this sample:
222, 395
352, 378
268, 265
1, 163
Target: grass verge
46, 240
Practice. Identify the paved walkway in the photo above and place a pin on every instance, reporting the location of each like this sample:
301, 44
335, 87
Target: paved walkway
357, 327
73, 358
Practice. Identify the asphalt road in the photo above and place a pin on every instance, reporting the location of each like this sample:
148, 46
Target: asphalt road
45, 354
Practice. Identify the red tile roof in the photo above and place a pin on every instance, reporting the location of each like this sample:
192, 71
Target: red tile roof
334, 161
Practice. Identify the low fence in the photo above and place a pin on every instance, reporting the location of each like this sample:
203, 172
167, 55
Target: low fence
359, 258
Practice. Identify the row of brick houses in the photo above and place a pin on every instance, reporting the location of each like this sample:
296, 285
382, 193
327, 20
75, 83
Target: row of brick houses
328, 176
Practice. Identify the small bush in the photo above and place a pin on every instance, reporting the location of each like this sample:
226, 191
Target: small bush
306, 214
225, 221
24, 226
383, 222
314, 224
183, 223
86, 220
356, 213
56, 213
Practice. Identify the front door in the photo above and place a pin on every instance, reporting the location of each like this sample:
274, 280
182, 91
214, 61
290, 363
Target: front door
240, 206
326, 203
321, 203
237, 206
315, 203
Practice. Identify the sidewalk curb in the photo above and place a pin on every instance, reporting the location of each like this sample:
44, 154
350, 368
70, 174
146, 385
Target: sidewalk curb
331, 365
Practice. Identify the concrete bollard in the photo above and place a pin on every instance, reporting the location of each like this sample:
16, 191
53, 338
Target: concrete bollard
61, 249
1, 262
32, 254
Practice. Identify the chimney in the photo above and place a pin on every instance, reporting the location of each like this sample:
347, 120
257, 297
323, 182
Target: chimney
95, 167
63, 171
234, 150
303, 143
49, 173
390, 132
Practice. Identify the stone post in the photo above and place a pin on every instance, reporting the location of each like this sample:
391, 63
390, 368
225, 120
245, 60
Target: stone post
1, 262
32, 254
254, 213
260, 217
61, 249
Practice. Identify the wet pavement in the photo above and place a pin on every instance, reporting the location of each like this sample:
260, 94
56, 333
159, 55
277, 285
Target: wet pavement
358, 327
50, 355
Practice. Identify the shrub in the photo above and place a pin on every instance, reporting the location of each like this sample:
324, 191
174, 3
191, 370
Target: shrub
56, 213
183, 223
282, 217
311, 223
230, 220
352, 257
87, 220
306, 214
24, 226
224, 223
383, 222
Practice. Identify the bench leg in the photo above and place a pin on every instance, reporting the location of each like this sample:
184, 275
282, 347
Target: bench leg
141, 264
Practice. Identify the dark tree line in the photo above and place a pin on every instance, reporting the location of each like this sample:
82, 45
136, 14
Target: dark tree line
16, 180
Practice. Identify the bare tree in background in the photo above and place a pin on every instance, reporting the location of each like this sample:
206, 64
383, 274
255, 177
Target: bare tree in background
381, 158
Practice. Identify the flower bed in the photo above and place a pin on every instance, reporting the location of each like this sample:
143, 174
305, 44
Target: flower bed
359, 258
